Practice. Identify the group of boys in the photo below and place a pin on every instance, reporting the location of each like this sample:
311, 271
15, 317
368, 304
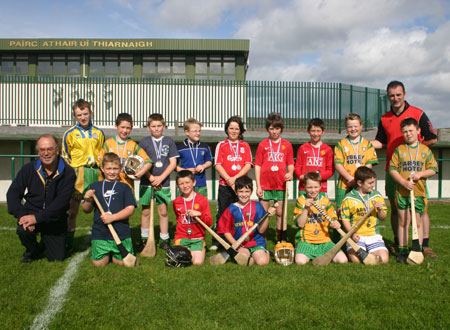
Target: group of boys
85, 149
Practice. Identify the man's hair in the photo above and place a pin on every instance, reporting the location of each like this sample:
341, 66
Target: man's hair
110, 157
238, 120
49, 136
243, 182
408, 122
274, 120
81, 104
185, 174
352, 116
395, 84
314, 176
156, 117
191, 121
364, 173
124, 117
316, 122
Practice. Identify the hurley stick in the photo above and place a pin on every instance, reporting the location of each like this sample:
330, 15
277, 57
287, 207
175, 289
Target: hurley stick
222, 257
150, 248
284, 219
415, 257
240, 258
364, 256
129, 260
327, 257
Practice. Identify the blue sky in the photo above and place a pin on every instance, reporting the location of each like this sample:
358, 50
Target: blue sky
366, 43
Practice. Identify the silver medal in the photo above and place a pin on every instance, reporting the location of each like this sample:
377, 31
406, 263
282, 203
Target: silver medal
274, 168
369, 223
238, 167
189, 231
233, 167
158, 164
316, 232
109, 212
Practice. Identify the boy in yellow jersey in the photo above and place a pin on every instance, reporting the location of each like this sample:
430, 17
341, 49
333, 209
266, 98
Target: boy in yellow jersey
313, 239
411, 164
81, 145
350, 153
124, 147
355, 205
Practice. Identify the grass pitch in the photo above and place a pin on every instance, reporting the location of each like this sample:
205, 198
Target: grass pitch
230, 296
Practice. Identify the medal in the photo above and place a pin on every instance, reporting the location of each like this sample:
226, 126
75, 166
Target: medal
245, 221
369, 223
109, 212
233, 167
189, 231
413, 162
316, 232
158, 164
274, 168
238, 167
107, 195
357, 164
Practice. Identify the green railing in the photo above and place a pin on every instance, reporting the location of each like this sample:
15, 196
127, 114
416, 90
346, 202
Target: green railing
46, 101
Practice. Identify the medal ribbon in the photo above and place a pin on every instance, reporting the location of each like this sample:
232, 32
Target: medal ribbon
186, 209
123, 151
234, 151
410, 156
110, 197
366, 203
274, 158
157, 150
316, 160
196, 152
356, 152
243, 216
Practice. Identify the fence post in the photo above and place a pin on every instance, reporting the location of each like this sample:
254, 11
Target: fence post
340, 109
366, 98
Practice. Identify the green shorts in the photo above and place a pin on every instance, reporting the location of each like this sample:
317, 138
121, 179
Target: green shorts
313, 250
390, 187
162, 196
102, 248
253, 249
192, 244
340, 194
85, 177
275, 195
404, 203
200, 190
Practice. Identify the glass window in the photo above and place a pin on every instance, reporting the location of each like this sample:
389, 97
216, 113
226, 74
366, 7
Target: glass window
228, 68
163, 67
21, 66
7, 65
96, 67
74, 64
126, 64
215, 67
201, 67
149, 67
179, 67
111, 64
59, 64
43, 64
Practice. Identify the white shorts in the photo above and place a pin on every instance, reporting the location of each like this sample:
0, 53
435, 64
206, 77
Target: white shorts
370, 243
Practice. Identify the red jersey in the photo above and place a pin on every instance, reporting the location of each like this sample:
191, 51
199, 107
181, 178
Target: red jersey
187, 227
232, 157
311, 159
268, 155
390, 133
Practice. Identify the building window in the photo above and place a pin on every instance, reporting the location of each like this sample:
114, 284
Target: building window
215, 67
164, 67
14, 65
58, 65
111, 65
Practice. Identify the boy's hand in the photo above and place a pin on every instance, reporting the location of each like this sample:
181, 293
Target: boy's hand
378, 206
335, 224
156, 181
351, 182
259, 192
408, 184
89, 194
355, 237
309, 203
107, 218
230, 181
416, 176
194, 213
199, 169
272, 211
288, 176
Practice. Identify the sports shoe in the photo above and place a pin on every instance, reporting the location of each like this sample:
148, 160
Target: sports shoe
402, 257
429, 253
213, 247
142, 245
26, 260
164, 244
393, 249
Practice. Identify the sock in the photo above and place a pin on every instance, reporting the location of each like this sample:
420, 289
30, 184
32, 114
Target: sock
396, 241
403, 249
164, 237
144, 234
278, 235
425, 242
421, 247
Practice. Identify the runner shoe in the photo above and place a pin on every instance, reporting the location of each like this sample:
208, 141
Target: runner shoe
164, 245
402, 257
429, 253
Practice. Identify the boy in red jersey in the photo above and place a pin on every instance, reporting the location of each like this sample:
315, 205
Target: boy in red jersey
273, 155
189, 233
314, 156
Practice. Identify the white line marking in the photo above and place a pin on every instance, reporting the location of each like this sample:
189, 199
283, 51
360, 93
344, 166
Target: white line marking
58, 293
14, 228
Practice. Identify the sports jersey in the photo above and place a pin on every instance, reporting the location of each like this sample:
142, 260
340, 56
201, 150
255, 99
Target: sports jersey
113, 196
270, 154
355, 206
311, 159
164, 151
237, 221
390, 133
232, 157
315, 230
407, 159
81, 146
123, 150
353, 155
192, 155
190, 228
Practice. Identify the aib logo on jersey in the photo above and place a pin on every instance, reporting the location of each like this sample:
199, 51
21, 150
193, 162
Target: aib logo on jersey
275, 157
313, 161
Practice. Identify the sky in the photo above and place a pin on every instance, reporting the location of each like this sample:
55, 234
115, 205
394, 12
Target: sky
360, 42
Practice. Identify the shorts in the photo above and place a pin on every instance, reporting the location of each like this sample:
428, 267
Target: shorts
313, 250
404, 203
101, 248
253, 249
192, 244
340, 194
273, 195
303, 193
370, 243
162, 196
390, 187
85, 177
200, 190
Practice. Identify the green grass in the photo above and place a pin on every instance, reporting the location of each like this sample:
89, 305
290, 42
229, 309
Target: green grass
153, 296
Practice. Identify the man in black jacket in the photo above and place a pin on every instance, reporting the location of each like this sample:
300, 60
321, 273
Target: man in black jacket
49, 183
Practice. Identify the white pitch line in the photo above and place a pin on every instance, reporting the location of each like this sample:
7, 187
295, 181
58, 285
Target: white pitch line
14, 228
58, 293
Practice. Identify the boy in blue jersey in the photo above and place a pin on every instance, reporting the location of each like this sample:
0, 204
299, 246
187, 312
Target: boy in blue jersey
118, 202
239, 217
195, 156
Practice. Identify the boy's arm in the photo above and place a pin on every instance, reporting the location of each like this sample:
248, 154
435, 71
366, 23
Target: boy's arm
259, 191
222, 172
244, 171
157, 180
123, 214
423, 174
143, 170
377, 144
343, 173
399, 179
201, 167
299, 165
329, 166
290, 173
88, 204
229, 238
381, 213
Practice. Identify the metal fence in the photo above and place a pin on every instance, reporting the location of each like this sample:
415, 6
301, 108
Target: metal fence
46, 101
